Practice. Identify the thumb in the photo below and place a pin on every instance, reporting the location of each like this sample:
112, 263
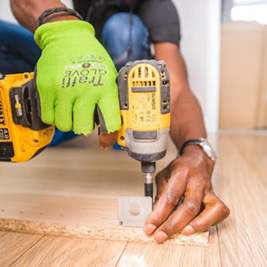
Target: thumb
106, 140
108, 111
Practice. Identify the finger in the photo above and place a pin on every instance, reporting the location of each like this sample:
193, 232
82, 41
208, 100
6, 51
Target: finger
109, 113
83, 116
47, 110
47, 99
227, 213
185, 213
161, 182
107, 140
167, 202
213, 213
63, 115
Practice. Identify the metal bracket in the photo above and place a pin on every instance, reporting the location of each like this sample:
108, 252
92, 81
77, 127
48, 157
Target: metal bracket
133, 211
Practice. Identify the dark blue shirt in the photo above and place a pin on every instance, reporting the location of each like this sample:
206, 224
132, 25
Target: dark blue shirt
159, 16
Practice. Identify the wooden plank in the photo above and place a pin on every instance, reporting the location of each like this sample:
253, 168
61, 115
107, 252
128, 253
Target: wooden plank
262, 106
242, 58
136, 255
14, 245
71, 252
96, 232
242, 172
72, 190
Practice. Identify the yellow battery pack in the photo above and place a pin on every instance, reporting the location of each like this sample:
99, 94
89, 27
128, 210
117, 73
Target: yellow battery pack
22, 133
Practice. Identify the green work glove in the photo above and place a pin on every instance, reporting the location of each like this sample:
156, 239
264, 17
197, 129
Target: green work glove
73, 75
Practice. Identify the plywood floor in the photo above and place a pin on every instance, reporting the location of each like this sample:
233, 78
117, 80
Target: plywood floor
240, 179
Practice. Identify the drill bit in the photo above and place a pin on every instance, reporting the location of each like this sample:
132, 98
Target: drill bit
149, 185
148, 168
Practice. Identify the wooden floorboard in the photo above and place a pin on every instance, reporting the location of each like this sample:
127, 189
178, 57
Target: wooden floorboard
62, 251
240, 179
154, 255
242, 183
14, 245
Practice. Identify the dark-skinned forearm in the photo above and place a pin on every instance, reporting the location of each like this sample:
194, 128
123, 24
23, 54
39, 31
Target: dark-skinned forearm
186, 115
27, 11
186, 119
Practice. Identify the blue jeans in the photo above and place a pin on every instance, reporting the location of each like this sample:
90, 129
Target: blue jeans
123, 36
18, 51
125, 41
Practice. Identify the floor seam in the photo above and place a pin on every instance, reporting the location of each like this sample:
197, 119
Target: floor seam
219, 247
26, 251
121, 254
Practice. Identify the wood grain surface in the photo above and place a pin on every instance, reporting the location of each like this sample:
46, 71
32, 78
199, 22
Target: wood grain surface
64, 251
242, 183
14, 245
136, 255
240, 179
73, 191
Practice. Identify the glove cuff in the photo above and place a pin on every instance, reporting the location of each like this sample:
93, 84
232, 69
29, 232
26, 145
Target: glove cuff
62, 29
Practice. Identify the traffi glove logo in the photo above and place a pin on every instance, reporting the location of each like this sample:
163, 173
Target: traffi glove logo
74, 75
85, 69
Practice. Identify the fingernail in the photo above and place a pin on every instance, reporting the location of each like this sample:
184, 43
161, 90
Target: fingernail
188, 230
149, 229
160, 237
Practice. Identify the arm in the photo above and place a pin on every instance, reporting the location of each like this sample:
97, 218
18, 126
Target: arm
190, 174
188, 122
27, 11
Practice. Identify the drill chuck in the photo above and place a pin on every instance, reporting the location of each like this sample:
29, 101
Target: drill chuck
148, 185
148, 168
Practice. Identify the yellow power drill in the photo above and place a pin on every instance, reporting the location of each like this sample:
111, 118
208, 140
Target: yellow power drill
145, 111
22, 133
144, 92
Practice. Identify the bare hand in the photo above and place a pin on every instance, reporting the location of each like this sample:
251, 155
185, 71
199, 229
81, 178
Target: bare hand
188, 176
107, 140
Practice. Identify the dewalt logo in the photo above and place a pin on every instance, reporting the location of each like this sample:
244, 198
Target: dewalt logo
2, 118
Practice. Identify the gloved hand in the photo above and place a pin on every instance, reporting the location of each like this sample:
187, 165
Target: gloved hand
73, 75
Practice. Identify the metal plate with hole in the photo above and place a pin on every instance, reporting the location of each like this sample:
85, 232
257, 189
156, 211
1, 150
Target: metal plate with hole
133, 211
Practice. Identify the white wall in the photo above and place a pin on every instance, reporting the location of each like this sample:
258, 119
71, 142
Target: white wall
5, 11
200, 23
